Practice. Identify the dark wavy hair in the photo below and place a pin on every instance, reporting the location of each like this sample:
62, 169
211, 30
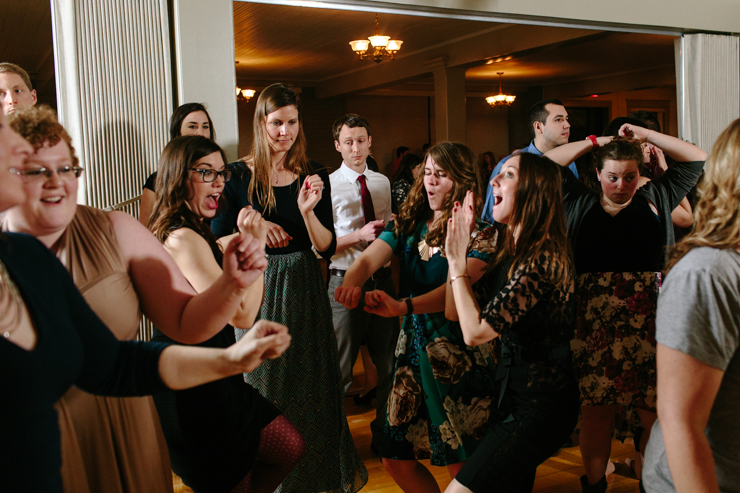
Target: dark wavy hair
171, 210
619, 149
179, 115
405, 168
458, 162
539, 217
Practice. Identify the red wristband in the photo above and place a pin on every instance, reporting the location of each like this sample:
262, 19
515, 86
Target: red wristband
593, 140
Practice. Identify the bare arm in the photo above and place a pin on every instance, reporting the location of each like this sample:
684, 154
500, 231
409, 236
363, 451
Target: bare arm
682, 216
182, 367
194, 258
308, 196
379, 303
375, 256
146, 206
676, 148
567, 153
686, 392
368, 233
165, 295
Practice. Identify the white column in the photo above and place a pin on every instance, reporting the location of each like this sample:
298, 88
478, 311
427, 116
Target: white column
113, 73
204, 56
708, 85
449, 101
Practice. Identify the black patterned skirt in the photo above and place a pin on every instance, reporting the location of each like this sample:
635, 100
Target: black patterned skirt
614, 344
305, 381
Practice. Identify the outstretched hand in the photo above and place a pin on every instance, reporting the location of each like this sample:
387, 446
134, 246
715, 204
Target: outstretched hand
349, 297
244, 259
310, 193
459, 229
265, 340
381, 303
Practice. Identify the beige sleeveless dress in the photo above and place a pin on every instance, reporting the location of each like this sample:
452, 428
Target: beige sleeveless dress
109, 444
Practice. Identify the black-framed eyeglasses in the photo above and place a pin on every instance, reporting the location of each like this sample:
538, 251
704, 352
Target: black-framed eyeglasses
65, 173
210, 175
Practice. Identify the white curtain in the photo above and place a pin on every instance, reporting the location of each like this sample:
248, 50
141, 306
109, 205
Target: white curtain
114, 88
708, 85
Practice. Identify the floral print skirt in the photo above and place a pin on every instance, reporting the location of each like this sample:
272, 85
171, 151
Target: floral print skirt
442, 393
614, 344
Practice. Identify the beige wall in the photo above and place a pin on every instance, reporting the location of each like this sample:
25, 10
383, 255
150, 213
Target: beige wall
709, 15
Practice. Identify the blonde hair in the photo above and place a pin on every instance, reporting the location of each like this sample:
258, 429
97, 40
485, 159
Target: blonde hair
717, 214
259, 160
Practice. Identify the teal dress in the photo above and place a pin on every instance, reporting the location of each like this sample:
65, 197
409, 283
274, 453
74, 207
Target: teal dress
443, 390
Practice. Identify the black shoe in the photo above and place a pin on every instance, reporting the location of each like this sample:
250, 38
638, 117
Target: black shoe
365, 400
599, 487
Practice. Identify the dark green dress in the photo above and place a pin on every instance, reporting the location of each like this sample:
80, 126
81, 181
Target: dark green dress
442, 394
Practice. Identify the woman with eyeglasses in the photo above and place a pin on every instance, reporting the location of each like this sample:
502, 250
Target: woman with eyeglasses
187, 119
51, 339
108, 443
293, 195
215, 432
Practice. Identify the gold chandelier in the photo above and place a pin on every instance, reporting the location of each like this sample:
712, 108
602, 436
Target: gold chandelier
384, 46
500, 99
244, 94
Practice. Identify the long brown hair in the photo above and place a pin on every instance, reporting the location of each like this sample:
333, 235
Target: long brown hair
458, 162
259, 160
717, 213
538, 215
171, 210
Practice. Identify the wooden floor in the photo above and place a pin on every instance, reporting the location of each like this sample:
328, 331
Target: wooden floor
559, 474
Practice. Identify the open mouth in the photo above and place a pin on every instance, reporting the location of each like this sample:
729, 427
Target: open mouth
52, 200
497, 199
212, 201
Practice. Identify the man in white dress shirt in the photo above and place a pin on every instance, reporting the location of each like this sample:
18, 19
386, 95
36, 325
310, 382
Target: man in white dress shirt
361, 203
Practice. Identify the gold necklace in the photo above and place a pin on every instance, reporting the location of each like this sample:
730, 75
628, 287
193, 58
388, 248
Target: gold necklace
11, 303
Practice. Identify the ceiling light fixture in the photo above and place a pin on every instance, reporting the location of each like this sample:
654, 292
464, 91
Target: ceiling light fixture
383, 46
244, 94
500, 99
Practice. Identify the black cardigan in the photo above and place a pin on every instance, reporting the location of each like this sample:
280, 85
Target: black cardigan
665, 193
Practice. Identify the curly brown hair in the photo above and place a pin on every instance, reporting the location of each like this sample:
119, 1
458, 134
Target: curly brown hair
40, 127
171, 210
458, 162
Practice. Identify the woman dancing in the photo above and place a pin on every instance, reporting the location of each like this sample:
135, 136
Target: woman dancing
619, 238
216, 433
187, 119
695, 444
527, 300
52, 340
294, 197
442, 390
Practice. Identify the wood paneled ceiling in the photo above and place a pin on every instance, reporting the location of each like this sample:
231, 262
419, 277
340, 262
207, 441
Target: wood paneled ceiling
309, 47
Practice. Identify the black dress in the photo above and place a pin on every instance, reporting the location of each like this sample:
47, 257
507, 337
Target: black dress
73, 347
536, 392
213, 430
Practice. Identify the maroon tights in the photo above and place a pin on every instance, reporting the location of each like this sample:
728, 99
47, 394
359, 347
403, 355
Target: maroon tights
281, 447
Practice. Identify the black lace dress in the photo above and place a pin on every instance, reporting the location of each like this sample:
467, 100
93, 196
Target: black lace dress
535, 388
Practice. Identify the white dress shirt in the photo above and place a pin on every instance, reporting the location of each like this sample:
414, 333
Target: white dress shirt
347, 207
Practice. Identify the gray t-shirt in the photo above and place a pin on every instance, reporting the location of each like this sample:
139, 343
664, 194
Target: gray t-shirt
699, 315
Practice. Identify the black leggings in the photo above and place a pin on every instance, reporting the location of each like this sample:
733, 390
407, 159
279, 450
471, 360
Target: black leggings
507, 458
